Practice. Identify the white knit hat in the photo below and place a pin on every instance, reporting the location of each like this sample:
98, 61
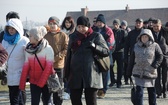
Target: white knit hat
38, 32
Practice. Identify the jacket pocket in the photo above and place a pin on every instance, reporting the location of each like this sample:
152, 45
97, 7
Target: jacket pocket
150, 73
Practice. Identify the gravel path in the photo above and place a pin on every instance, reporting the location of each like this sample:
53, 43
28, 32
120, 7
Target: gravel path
114, 96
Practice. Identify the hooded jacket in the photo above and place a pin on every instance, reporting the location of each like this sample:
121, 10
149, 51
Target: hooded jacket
146, 57
17, 56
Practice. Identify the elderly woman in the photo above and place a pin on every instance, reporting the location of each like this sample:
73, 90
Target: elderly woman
38, 49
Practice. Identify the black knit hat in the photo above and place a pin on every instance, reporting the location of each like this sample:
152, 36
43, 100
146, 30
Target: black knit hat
101, 18
83, 20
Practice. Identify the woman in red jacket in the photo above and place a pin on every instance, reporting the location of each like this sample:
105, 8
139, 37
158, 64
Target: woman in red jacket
32, 69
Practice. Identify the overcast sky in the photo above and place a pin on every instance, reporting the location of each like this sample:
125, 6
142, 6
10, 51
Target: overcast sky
41, 10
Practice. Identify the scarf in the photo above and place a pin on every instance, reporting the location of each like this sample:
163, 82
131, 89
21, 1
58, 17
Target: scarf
11, 39
58, 30
30, 48
80, 38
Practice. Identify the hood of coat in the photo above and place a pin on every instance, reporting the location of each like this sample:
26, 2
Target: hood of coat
16, 24
145, 32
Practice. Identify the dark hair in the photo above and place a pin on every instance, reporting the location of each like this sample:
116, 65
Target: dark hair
157, 21
12, 14
71, 20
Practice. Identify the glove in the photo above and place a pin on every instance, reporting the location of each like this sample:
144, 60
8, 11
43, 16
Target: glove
91, 45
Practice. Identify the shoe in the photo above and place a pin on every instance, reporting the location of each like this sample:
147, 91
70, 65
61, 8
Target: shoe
100, 94
118, 86
164, 95
111, 84
65, 96
158, 96
126, 83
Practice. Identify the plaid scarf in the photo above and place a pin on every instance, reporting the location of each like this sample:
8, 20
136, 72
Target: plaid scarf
80, 38
30, 48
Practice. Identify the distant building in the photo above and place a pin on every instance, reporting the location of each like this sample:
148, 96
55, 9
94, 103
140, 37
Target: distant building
130, 15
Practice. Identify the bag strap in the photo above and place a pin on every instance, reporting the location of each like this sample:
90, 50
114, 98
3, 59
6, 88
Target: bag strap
9, 56
39, 62
11, 52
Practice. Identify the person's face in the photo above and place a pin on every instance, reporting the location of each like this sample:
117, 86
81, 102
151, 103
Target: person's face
100, 24
157, 27
116, 26
67, 24
145, 25
139, 24
32, 39
11, 30
123, 27
82, 29
144, 38
150, 24
53, 26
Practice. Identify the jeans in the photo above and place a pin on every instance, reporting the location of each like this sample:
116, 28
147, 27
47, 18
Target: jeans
15, 95
106, 77
90, 96
36, 92
151, 95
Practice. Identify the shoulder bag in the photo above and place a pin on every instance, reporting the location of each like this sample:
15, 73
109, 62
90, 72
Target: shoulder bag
133, 92
53, 80
102, 62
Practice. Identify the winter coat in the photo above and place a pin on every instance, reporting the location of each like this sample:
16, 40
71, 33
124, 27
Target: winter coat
33, 70
120, 38
129, 43
145, 60
80, 69
59, 43
162, 40
108, 36
17, 56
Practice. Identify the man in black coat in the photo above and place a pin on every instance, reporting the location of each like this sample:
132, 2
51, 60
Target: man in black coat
161, 37
118, 54
131, 39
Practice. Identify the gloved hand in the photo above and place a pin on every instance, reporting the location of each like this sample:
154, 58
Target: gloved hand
91, 44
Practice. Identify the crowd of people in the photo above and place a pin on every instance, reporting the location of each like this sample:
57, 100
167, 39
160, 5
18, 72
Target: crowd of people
69, 49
